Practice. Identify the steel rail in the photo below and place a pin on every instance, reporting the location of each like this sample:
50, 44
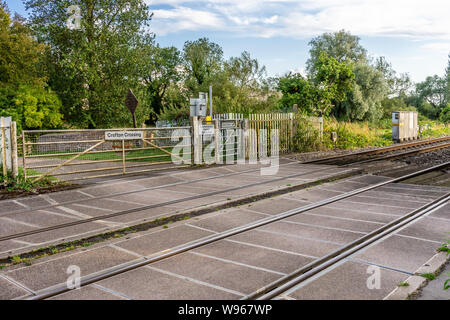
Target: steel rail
157, 187
406, 153
124, 212
117, 194
147, 207
380, 150
43, 294
289, 281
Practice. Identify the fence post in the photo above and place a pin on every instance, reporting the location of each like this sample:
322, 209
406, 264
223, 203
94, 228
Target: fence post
4, 164
246, 142
291, 128
14, 159
197, 140
217, 142
321, 128
124, 170
241, 142
24, 153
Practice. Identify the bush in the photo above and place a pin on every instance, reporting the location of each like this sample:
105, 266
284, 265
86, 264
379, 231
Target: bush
31, 107
306, 137
445, 114
353, 135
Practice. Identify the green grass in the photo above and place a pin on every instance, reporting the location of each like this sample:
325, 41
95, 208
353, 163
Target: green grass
117, 155
436, 129
22, 184
429, 276
353, 135
403, 284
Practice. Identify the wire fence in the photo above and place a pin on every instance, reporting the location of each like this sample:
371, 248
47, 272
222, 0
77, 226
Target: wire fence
81, 154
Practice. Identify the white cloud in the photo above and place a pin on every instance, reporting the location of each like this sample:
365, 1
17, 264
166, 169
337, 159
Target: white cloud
416, 19
439, 47
185, 18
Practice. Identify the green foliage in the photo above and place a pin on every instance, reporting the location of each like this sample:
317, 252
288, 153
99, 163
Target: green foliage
203, 61
430, 96
315, 96
398, 85
20, 54
160, 74
445, 114
432, 128
364, 101
92, 67
22, 184
306, 137
354, 135
341, 45
428, 276
31, 107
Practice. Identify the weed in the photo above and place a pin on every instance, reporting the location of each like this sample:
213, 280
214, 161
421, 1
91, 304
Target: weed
403, 284
27, 262
16, 259
429, 276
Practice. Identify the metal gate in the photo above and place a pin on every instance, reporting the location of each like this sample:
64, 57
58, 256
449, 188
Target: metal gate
86, 154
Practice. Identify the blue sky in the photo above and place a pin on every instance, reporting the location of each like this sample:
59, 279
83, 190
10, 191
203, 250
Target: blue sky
414, 35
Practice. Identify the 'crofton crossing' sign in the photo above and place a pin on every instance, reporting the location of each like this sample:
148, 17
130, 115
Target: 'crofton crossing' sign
124, 135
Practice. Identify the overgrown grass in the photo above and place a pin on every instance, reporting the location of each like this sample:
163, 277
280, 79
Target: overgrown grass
434, 129
352, 135
21, 184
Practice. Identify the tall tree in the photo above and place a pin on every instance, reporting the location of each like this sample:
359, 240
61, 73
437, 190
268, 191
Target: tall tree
203, 61
93, 55
318, 94
20, 54
244, 71
432, 90
447, 77
341, 45
364, 100
23, 92
398, 84
161, 69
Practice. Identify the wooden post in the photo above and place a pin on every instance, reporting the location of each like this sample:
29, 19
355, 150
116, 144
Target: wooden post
246, 142
24, 153
4, 165
217, 142
292, 128
123, 157
197, 140
14, 159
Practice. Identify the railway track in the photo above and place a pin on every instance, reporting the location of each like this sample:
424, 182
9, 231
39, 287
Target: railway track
279, 286
435, 144
141, 208
386, 153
